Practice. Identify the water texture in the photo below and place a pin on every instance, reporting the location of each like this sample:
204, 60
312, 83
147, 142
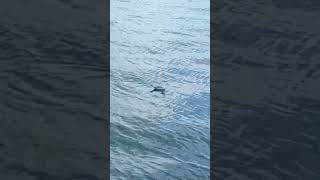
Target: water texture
266, 79
166, 43
53, 70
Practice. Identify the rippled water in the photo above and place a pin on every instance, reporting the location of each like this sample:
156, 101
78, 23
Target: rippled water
53, 71
266, 73
166, 43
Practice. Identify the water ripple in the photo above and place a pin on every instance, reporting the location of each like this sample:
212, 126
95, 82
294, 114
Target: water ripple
160, 43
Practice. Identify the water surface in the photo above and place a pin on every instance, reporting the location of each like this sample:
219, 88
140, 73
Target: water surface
53, 96
266, 73
162, 43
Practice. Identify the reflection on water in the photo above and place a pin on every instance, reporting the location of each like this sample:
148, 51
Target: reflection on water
160, 43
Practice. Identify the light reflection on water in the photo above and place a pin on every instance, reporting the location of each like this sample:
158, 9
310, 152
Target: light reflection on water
162, 43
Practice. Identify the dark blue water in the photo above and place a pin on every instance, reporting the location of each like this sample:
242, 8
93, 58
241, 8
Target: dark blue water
266, 79
166, 43
53, 85
53, 92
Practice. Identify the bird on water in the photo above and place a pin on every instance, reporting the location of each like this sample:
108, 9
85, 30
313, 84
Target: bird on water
159, 89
